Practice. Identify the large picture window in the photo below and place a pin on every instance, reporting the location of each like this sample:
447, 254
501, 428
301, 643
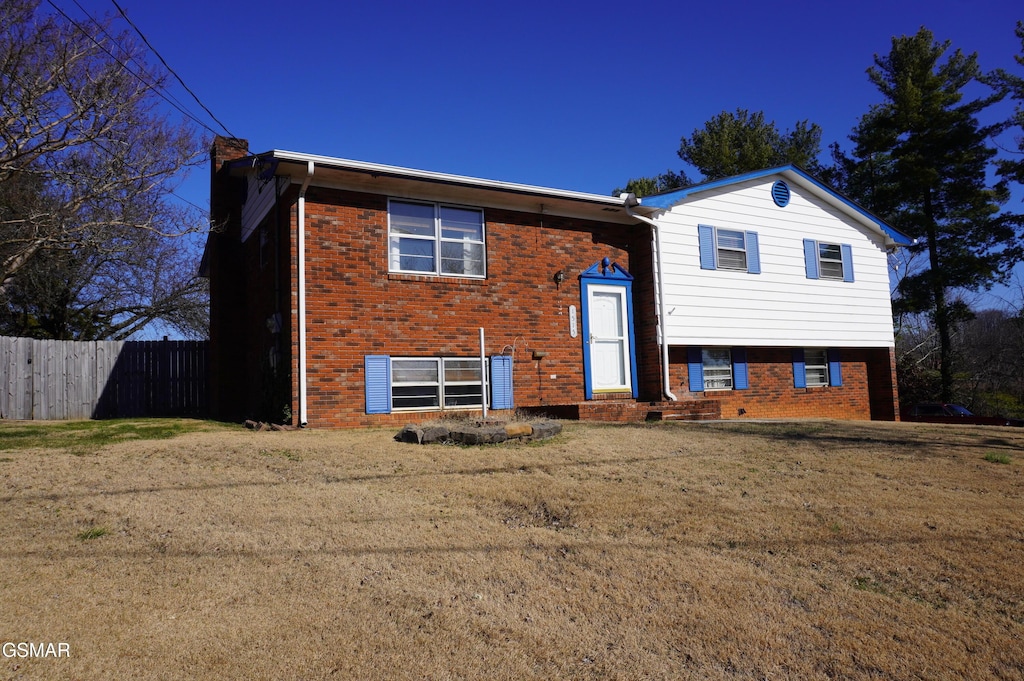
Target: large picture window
430, 238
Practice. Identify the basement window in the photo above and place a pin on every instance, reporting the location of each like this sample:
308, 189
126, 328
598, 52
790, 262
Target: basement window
429, 383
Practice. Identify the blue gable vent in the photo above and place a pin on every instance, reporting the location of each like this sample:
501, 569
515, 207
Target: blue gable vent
780, 194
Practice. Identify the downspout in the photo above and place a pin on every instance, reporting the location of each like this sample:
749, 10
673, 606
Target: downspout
301, 246
630, 200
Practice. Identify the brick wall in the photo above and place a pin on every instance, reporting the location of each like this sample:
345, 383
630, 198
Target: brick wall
862, 395
355, 307
226, 268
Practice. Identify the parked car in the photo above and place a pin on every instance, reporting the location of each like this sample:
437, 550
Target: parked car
940, 412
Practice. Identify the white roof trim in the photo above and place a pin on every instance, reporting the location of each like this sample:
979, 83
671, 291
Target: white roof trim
444, 178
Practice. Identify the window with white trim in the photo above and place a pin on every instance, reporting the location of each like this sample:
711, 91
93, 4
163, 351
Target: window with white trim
435, 383
732, 249
816, 367
728, 249
717, 364
433, 238
830, 261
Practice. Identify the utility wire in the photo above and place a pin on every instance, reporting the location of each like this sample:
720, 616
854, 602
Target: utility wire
145, 82
142, 66
170, 70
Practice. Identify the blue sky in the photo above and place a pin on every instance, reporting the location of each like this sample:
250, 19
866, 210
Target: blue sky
571, 95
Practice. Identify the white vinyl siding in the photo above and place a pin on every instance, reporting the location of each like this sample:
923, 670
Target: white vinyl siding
729, 308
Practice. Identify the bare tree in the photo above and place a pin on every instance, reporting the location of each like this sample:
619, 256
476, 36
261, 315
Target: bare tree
87, 161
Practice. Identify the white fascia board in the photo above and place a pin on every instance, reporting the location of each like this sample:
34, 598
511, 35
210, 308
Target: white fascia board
442, 178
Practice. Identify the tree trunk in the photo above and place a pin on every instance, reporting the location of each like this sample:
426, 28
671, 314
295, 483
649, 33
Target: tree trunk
941, 308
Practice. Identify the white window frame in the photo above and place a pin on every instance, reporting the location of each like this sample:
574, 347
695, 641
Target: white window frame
831, 261
439, 385
719, 249
716, 376
816, 374
437, 239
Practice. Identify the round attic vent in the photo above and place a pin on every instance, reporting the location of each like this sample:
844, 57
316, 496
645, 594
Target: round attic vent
780, 194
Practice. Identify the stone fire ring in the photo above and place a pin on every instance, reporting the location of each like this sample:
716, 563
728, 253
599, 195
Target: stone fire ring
479, 432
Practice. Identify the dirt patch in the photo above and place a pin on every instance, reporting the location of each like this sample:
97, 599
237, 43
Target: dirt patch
721, 551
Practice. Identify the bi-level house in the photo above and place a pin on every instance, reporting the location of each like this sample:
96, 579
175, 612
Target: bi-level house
346, 293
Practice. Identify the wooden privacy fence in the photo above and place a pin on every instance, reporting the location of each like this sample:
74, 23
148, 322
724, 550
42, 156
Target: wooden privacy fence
50, 380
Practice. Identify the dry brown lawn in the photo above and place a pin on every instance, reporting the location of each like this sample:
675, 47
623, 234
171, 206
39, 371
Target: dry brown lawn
814, 550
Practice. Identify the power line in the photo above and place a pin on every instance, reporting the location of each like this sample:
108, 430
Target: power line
177, 104
150, 86
128, 69
170, 70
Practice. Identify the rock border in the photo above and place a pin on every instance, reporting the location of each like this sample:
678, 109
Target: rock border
478, 432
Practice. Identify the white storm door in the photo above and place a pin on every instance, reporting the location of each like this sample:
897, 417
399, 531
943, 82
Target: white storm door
609, 340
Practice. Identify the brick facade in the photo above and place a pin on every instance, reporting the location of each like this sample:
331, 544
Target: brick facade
355, 307
867, 390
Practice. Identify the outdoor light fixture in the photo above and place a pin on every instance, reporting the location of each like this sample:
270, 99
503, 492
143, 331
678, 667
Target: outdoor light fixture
559, 277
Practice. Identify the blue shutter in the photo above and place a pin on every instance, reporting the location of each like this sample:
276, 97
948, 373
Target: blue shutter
799, 369
811, 258
740, 380
695, 363
501, 382
835, 368
706, 236
847, 252
753, 254
378, 384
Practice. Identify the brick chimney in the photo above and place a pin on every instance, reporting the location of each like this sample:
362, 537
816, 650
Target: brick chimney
225, 269
222, 190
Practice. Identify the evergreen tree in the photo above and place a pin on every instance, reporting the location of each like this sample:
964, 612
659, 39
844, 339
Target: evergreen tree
920, 162
648, 186
1013, 168
734, 143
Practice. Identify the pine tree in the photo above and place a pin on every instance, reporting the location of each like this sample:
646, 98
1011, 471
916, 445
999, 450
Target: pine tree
920, 162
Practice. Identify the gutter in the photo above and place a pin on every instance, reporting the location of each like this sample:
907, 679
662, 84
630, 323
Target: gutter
628, 201
301, 246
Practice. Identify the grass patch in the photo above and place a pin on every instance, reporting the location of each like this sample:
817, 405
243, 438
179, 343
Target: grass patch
92, 533
995, 457
86, 437
281, 453
861, 551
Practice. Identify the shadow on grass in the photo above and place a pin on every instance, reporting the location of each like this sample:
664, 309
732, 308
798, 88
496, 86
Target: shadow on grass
920, 439
343, 479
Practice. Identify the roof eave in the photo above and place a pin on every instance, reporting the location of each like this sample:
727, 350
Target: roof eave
893, 237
